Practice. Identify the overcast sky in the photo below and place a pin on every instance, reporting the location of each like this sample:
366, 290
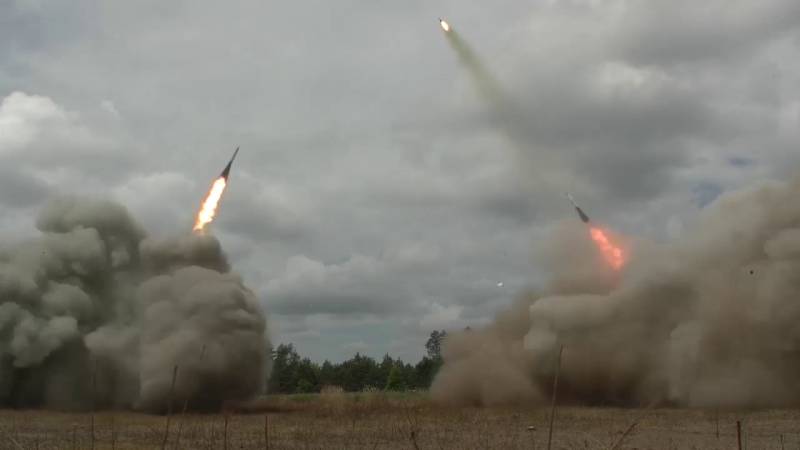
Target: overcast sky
376, 197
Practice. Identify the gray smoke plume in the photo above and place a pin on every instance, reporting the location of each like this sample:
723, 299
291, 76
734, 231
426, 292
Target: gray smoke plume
507, 115
93, 313
487, 85
711, 320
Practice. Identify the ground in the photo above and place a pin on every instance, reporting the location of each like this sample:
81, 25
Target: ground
396, 421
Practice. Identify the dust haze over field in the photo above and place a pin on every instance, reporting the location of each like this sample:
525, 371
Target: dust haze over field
94, 312
707, 320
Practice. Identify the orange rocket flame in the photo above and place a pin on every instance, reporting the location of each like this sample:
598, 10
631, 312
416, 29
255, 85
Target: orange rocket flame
611, 253
209, 207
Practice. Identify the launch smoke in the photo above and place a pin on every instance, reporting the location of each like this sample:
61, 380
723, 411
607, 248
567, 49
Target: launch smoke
487, 86
506, 114
710, 320
93, 298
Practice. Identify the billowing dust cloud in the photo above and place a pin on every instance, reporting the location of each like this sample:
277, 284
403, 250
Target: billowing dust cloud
710, 320
95, 314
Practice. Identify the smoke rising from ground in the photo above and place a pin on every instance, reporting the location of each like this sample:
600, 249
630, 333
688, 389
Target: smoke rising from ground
710, 320
94, 312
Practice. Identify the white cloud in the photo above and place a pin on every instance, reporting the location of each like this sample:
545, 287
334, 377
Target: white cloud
24, 117
38, 133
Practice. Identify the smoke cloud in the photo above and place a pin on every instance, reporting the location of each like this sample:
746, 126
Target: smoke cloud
709, 320
94, 313
507, 115
486, 84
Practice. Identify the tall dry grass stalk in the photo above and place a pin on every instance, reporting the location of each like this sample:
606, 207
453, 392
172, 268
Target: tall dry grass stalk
225, 433
414, 439
94, 397
334, 398
266, 431
16, 444
169, 407
739, 434
113, 431
624, 435
413, 423
330, 389
555, 397
186, 405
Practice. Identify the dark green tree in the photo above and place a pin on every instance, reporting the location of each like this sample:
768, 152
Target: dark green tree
307, 376
293, 374
283, 378
408, 375
434, 344
425, 370
385, 367
394, 381
329, 374
356, 372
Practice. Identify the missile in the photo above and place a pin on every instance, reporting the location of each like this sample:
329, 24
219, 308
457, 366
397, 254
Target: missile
227, 170
445, 26
581, 214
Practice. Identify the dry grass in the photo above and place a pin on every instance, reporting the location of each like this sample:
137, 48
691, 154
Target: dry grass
396, 421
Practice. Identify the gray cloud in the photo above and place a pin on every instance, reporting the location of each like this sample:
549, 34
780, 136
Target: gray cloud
685, 31
360, 133
20, 189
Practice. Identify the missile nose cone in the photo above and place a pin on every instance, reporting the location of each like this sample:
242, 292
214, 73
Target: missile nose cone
227, 170
582, 215
584, 218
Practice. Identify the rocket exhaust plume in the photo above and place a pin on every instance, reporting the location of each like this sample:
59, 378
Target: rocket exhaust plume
208, 208
611, 253
487, 86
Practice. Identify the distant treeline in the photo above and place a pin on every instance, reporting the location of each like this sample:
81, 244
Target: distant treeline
292, 374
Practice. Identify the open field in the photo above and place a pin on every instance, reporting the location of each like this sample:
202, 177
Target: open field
378, 421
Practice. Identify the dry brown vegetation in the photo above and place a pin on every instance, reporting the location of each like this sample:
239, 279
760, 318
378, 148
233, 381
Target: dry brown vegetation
381, 421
